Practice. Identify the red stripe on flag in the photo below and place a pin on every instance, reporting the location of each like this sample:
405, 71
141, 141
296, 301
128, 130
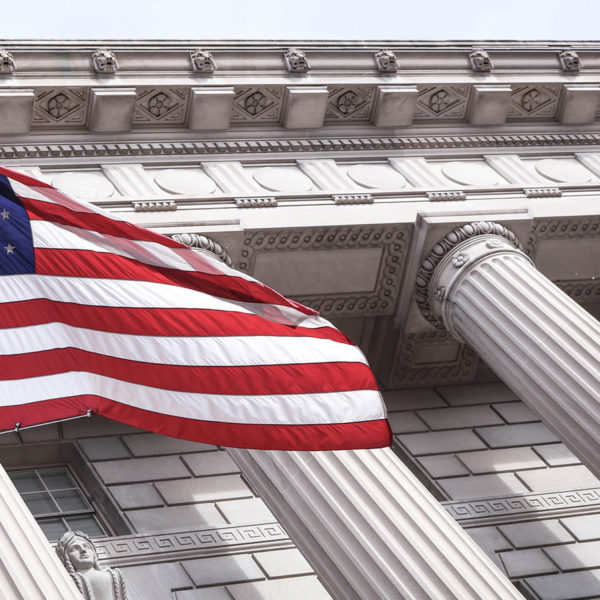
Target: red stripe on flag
342, 436
90, 221
304, 378
24, 179
194, 322
87, 263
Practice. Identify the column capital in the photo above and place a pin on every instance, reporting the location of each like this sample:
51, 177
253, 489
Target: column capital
451, 257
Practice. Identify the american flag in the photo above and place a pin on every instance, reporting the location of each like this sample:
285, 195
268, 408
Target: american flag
99, 315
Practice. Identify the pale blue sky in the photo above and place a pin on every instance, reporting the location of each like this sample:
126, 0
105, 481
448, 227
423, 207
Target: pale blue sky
302, 19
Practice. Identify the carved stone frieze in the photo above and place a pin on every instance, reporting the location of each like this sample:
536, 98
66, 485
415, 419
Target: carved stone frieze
561, 228
431, 358
202, 61
257, 104
581, 291
448, 102
386, 61
296, 61
534, 101
569, 60
64, 107
139, 548
392, 240
270, 146
160, 105
527, 504
7, 62
442, 249
350, 104
204, 244
104, 61
480, 60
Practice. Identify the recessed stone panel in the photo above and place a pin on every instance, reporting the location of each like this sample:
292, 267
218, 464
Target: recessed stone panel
564, 259
563, 170
470, 173
376, 177
283, 179
85, 186
320, 271
185, 182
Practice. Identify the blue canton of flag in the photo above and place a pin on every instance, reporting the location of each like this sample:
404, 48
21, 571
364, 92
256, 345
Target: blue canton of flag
16, 242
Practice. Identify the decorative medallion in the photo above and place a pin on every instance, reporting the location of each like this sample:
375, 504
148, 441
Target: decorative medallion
538, 101
160, 105
64, 106
349, 104
444, 102
257, 104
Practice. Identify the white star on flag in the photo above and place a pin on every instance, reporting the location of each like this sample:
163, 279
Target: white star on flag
10, 249
5, 215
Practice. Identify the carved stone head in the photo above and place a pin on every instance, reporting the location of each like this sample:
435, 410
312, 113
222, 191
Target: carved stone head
77, 552
480, 60
296, 61
569, 60
104, 61
79, 556
386, 61
7, 62
202, 61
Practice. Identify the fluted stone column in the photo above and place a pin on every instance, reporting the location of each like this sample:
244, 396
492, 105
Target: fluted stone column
369, 527
29, 567
479, 284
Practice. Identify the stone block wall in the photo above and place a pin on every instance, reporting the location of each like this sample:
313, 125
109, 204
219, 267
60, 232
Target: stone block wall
190, 526
520, 493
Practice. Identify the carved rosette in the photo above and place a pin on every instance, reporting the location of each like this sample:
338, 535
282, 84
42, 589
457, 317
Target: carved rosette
7, 62
296, 61
457, 251
204, 245
104, 61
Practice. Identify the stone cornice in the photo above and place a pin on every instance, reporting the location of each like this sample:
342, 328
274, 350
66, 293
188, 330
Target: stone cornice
92, 148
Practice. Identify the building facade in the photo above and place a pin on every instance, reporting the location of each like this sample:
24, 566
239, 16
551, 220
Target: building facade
438, 202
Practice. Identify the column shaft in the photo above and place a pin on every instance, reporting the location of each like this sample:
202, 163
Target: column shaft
538, 341
369, 527
29, 567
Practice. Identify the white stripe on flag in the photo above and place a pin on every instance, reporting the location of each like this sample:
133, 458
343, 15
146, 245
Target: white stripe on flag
136, 294
197, 351
292, 409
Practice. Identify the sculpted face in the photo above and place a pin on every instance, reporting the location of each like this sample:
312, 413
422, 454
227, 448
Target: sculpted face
81, 554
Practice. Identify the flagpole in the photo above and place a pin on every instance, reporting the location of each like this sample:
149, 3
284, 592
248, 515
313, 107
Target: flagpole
29, 567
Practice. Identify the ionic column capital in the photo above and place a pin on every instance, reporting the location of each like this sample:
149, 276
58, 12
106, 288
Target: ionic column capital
451, 259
